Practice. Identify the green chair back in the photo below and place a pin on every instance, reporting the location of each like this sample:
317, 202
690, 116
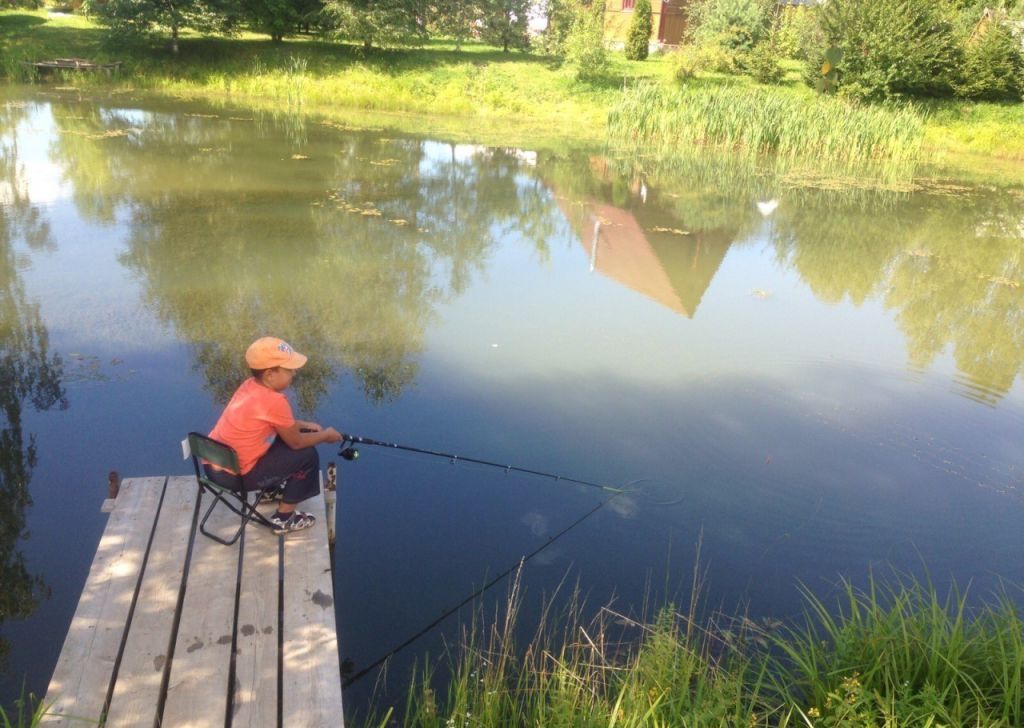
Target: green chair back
213, 452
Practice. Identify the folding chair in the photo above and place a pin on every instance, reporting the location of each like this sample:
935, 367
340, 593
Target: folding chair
219, 454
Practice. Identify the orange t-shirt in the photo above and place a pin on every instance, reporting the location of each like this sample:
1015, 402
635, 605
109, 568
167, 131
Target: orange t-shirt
251, 420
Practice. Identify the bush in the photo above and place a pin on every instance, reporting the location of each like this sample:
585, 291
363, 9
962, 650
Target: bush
763, 63
892, 48
691, 59
993, 66
584, 46
639, 38
735, 24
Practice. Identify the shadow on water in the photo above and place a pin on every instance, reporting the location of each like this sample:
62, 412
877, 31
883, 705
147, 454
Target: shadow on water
31, 379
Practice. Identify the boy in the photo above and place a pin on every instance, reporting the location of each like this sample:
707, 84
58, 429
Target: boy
275, 450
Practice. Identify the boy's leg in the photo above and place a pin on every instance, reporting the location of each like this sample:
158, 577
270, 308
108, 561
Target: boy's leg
298, 469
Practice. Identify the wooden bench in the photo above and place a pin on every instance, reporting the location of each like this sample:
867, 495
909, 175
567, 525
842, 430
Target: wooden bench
174, 629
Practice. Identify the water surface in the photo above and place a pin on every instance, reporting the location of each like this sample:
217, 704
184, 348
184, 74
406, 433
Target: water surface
813, 383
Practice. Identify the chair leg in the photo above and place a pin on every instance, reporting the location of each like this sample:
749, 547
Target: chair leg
246, 510
217, 497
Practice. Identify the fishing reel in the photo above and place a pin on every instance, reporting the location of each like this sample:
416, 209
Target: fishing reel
347, 452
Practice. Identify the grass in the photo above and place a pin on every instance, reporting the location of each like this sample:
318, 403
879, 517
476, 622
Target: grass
894, 654
505, 99
759, 122
28, 713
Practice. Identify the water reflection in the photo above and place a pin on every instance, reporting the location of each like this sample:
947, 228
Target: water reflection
354, 250
30, 375
363, 237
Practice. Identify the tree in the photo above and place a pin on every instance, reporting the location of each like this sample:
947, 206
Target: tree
276, 18
455, 19
893, 48
505, 23
378, 22
639, 37
560, 16
584, 47
138, 17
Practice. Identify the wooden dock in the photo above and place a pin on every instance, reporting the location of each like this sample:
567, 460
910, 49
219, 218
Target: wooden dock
176, 630
71, 64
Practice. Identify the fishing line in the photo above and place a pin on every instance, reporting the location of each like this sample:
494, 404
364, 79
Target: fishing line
449, 612
350, 453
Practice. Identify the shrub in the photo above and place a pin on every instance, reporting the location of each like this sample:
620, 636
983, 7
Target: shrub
639, 38
763, 63
691, 59
993, 66
584, 46
734, 24
892, 48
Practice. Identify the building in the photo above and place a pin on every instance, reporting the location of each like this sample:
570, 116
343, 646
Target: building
667, 28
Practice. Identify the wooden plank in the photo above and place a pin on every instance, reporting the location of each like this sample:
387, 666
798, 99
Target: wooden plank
81, 678
311, 695
140, 677
256, 659
197, 691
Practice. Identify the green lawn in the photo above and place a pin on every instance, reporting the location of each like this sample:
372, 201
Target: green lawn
501, 98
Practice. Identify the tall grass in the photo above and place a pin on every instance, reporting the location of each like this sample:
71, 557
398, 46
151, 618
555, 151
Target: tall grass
898, 654
892, 655
28, 713
761, 122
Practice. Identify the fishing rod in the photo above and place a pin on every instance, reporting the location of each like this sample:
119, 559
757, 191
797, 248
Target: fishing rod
346, 682
351, 453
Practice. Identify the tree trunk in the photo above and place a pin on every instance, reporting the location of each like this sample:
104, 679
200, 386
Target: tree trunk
174, 39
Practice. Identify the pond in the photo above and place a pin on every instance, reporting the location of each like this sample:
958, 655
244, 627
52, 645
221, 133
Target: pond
803, 384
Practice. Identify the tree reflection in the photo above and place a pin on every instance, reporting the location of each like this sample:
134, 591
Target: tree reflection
344, 243
950, 266
347, 242
31, 376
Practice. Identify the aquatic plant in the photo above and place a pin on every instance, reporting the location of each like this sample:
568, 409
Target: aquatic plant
28, 712
893, 654
758, 122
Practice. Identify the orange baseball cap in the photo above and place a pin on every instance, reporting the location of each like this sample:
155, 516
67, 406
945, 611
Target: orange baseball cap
270, 352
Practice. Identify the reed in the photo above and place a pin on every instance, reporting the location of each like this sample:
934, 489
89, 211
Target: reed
893, 654
28, 712
900, 654
758, 121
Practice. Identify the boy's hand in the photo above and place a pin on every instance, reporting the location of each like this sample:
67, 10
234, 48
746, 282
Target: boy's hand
332, 435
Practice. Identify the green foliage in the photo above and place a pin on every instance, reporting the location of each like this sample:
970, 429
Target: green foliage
639, 36
993, 65
734, 24
584, 48
381, 23
797, 32
560, 15
455, 19
278, 18
139, 17
822, 133
890, 656
504, 23
893, 48
899, 654
28, 713
693, 58
763, 63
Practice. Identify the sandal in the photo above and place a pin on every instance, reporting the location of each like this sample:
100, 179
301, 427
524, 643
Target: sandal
294, 521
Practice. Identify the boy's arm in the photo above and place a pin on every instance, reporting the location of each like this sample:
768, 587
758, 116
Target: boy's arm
294, 437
